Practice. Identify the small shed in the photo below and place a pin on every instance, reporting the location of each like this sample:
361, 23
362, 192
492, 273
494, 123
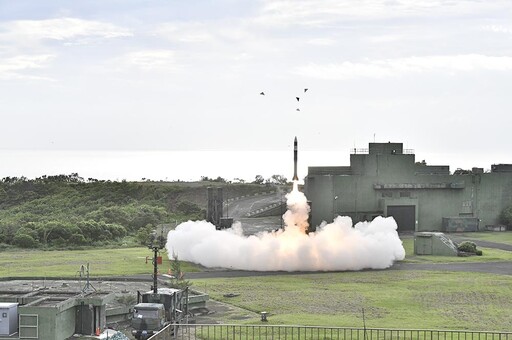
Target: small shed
460, 224
8, 318
433, 243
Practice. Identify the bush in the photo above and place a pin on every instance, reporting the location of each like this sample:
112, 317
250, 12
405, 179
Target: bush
506, 216
467, 247
5, 246
24, 241
77, 239
187, 207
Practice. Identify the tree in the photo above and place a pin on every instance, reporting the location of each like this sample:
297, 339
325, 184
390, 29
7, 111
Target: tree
143, 235
178, 280
24, 241
506, 216
278, 179
259, 179
188, 207
77, 239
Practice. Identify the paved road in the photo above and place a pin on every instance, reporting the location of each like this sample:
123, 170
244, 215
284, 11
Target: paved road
240, 207
503, 268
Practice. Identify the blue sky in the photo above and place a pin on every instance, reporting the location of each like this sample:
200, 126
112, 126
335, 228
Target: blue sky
186, 75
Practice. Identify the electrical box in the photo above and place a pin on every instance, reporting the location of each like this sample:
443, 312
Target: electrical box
8, 318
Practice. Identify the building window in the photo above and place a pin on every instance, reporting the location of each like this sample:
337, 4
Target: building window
405, 194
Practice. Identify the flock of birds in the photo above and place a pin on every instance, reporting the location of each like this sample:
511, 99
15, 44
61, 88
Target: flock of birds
298, 98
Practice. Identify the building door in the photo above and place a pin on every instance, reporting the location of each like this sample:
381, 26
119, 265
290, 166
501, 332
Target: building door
404, 215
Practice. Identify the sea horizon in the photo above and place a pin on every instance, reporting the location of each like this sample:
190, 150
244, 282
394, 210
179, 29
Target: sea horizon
192, 165
135, 165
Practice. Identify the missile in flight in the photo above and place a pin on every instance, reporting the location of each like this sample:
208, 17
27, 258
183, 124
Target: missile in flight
295, 177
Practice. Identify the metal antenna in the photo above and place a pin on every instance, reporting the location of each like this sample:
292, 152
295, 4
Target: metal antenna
84, 270
364, 325
156, 244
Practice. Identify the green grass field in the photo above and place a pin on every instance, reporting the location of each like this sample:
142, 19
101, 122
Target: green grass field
500, 237
489, 255
391, 299
67, 263
132, 260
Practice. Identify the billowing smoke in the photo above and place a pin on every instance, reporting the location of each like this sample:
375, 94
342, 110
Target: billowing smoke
334, 246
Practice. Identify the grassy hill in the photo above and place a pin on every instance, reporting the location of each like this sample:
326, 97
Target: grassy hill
67, 211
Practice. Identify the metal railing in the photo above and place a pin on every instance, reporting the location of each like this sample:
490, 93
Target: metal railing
260, 332
366, 151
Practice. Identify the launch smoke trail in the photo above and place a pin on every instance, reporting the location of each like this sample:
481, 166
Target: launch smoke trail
334, 246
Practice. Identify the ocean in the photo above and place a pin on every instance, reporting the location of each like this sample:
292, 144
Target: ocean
163, 165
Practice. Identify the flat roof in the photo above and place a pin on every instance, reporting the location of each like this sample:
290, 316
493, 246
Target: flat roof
8, 304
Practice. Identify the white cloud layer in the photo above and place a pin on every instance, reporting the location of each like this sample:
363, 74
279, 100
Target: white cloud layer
404, 66
318, 13
14, 68
63, 29
152, 60
204, 62
498, 29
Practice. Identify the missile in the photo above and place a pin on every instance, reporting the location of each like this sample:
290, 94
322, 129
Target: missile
295, 178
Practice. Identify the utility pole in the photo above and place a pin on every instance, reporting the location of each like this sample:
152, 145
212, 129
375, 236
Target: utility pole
156, 245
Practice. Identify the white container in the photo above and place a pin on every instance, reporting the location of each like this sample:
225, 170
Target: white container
8, 318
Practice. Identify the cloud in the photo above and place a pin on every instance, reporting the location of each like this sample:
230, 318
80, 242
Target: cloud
63, 29
185, 33
404, 66
149, 60
325, 12
322, 41
14, 67
497, 29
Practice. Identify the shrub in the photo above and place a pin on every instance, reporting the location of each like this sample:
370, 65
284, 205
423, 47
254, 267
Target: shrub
506, 216
187, 207
77, 239
24, 241
467, 247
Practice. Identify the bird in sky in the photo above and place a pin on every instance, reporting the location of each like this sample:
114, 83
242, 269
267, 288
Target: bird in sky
298, 109
305, 90
262, 93
297, 98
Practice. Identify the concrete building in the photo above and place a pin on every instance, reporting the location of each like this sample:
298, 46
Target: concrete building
386, 180
49, 313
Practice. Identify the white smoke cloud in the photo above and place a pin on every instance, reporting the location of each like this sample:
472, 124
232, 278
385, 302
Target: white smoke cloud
334, 246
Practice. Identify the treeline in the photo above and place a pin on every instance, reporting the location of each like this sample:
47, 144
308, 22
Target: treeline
67, 211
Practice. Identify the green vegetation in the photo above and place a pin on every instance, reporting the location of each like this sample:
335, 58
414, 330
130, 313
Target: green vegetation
126, 260
66, 263
468, 247
68, 212
391, 298
506, 216
489, 255
500, 237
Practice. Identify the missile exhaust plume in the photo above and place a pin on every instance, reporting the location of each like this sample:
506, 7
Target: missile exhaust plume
333, 246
